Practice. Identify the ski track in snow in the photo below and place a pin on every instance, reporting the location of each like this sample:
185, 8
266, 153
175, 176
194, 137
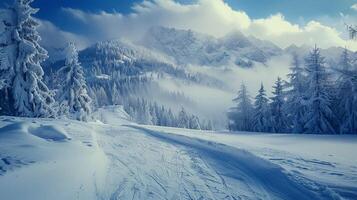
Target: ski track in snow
155, 170
326, 178
164, 166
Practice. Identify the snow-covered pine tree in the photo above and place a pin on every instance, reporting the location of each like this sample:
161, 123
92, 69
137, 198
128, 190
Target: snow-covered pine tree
7, 59
183, 121
72, 95
163, 116
171, 120
154, 119
295, 104
102, 97
261, 118
156, 113
209, 125
93, 96
143, 113
240, 117
319, 115
279, 119
347, 95
31, 96
194, 123
115, 94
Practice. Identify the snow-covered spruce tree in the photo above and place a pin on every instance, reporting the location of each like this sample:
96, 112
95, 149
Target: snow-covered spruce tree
319, 115
240, 117
102, 97
194, 123
295, 104
72, 95
209, 125
93, 96
143, 112
7, 60
31, 96
163, 116
347, 95
183, 121
279, 119
261, 118
115, 95
171, 119
153, 111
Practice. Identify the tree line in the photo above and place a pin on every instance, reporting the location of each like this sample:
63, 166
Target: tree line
145, 112
314, 100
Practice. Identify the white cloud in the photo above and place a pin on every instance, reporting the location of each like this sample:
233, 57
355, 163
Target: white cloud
213, 17
354, 7
53, 37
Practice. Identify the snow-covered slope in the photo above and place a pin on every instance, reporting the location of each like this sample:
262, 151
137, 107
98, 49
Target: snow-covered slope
114, 158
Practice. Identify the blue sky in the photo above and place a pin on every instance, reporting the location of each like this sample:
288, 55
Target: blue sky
296, 11
283, 22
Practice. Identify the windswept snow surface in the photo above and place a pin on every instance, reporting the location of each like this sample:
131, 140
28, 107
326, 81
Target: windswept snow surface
49, 159
324, 164
114, 158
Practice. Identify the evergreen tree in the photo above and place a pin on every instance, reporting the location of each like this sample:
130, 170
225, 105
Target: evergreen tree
102, 97
8, 49
209, 125
93, 96
72, 95
347, 95
261, 118
194, 123
319, 115
163, 116
240, 117
183, 121
31, 96
115, 94
295, 106
154, 119
279, 120
143, 112
171, 119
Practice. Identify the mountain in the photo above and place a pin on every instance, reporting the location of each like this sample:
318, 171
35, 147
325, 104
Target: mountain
189, 47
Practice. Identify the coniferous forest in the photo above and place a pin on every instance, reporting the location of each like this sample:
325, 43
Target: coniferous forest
314, 99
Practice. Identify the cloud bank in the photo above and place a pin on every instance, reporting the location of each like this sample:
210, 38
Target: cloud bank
213, 17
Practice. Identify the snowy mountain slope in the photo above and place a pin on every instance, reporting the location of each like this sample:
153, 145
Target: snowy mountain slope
116, 159
189, 47
125, 59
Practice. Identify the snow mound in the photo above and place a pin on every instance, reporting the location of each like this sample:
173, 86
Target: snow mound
47, 132
13, 129
50, 132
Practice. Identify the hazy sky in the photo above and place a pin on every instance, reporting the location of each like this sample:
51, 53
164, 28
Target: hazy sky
283, 22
